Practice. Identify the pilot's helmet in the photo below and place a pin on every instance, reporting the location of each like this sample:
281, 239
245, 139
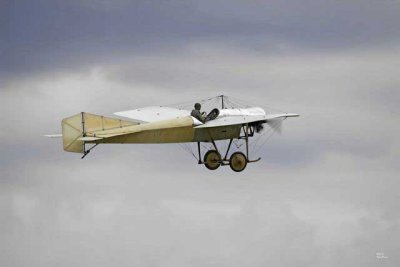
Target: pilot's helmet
197, 106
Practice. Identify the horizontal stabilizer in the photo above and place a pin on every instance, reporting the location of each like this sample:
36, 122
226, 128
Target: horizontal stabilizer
281, 115
53, 135
89, 139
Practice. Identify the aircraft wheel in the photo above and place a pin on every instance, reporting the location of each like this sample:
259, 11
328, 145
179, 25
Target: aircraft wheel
238, 161
212, 159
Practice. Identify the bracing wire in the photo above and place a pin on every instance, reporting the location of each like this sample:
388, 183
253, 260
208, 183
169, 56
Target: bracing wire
257, 139
239, 102
246, 104
208, 104
271, 133
187, 148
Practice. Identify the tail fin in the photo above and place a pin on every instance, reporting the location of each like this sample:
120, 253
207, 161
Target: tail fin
76, 127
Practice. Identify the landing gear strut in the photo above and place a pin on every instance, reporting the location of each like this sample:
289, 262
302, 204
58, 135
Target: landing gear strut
237, 161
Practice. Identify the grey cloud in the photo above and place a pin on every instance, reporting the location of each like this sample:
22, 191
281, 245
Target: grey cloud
99, 218
43, 35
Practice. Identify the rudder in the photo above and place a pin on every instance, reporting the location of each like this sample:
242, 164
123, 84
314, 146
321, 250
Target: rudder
75, 127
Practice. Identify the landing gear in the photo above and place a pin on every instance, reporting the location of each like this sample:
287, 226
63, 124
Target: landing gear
212, 159
238, 161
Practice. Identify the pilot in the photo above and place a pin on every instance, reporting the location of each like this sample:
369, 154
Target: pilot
197, 114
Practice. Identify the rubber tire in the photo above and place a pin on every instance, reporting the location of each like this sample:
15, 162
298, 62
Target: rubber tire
214, 155
238, 158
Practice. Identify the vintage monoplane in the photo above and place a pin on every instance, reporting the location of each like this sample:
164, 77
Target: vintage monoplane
164, 124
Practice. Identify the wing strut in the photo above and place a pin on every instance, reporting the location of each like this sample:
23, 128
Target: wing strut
227, 150
247, 134
247, 139
198, 148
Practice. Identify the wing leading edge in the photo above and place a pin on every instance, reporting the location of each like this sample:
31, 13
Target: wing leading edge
234, 120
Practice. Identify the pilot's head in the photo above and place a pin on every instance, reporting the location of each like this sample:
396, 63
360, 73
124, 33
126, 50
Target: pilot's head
197, 106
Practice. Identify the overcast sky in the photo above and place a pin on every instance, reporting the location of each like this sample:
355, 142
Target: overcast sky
326, 192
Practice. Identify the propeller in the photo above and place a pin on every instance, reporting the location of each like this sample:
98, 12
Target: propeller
258, 126
276, 124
